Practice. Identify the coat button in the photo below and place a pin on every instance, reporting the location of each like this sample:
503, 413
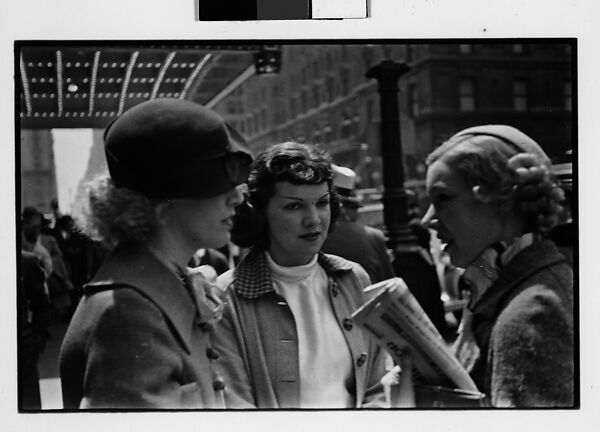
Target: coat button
347, 324
361, 359
218, 384
212, 353
334, 289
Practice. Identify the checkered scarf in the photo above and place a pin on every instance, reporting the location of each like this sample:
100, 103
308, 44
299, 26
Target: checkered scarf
252, 277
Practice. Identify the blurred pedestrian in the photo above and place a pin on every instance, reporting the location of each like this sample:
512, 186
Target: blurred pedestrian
286, 338
33, 313
31, 230
353, 240
141, 335
59, 282
493, 201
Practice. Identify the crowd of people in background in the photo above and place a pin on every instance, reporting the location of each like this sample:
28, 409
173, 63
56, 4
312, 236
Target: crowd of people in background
167, 311
57, 259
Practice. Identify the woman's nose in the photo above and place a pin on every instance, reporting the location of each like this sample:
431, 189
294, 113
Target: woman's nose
312, 217
430, 217
236, 196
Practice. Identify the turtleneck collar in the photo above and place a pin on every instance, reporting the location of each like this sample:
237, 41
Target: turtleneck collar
293, 273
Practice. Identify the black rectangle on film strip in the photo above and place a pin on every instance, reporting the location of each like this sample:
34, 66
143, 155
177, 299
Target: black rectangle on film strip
249, 10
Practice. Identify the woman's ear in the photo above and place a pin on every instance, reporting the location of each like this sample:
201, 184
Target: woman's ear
481, 195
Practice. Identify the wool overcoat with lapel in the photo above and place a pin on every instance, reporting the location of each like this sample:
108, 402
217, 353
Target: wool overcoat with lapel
136, 341
523, 325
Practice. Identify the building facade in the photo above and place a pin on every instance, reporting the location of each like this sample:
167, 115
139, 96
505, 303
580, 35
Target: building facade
321, 95
38, 174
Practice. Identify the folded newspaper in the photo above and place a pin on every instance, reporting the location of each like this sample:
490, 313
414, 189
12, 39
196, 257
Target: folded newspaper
396, 320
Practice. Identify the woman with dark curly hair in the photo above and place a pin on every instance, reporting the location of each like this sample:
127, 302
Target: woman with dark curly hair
493, 200
286, 339
141, 334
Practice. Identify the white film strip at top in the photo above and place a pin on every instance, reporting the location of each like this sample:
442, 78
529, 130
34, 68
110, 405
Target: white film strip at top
339, 9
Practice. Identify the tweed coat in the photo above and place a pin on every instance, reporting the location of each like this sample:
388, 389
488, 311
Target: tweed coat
136, 341
258, 341
523, 325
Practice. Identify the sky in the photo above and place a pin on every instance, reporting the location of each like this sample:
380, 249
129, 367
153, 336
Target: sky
71, 154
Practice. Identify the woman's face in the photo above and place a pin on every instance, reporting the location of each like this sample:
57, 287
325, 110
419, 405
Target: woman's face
203, 223
299, 217
463, 221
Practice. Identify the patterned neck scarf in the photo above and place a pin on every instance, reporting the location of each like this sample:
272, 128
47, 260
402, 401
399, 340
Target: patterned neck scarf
480, 275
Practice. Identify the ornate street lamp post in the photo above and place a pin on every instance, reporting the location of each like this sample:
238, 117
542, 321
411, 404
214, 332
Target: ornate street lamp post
411, 261
395, 215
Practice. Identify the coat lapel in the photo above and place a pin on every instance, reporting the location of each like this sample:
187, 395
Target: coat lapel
525, 264
135, 267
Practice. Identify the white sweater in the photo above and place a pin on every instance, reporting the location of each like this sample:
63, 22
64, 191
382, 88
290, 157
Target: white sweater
325, 360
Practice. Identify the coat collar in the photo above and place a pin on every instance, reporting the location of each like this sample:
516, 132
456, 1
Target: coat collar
526, 263
136, 267
252, 277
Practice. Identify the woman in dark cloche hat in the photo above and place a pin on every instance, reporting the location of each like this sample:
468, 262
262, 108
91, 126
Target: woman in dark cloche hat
141, 335
493, 202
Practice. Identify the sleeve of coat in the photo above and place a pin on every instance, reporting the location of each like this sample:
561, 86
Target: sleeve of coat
532, 350
374, 395
132, 357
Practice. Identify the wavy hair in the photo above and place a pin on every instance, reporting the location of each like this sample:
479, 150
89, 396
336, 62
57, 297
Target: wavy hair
292, 162
518, 182
115, 215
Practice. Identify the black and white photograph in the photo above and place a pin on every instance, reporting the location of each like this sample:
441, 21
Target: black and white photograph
281, 182
299, 226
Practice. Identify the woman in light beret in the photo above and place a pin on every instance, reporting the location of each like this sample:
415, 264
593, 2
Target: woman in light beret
493, 202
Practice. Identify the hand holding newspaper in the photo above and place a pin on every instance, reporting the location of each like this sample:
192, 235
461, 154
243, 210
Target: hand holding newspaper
394, 318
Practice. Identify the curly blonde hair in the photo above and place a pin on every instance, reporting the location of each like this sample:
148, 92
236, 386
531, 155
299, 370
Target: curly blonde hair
115, 215
519, 182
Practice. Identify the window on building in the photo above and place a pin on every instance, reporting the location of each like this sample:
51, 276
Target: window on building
518, 48
467, 94
345, 80
413, 101
368, 56
263, 119
568, 96
328, 134
293, 111
345, 126
317, 135
329, 61
329, 88
316, 95
303, 102
520, 95
409, 53
465, 48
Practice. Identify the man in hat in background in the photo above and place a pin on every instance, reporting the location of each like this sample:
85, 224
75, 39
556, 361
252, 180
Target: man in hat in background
351, 239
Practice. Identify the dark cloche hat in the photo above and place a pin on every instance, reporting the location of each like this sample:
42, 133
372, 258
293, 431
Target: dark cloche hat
175, 148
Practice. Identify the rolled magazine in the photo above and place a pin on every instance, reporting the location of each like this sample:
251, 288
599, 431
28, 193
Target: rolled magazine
394, 318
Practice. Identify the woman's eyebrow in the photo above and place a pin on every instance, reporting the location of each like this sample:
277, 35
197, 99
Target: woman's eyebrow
302, 199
